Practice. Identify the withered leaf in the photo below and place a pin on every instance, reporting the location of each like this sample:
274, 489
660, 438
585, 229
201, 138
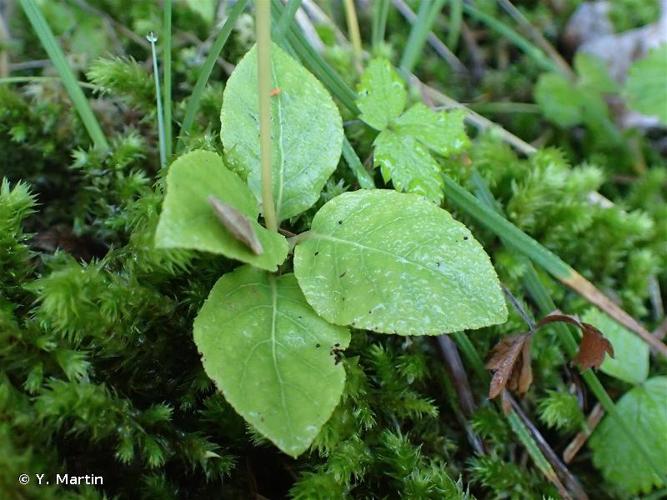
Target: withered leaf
237, 224
593, 344
510, 362
592, 348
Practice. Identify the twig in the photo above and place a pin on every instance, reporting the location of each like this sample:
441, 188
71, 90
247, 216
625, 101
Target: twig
537, 37
459, 378
661, 331
571, 482
580, 439
119, 26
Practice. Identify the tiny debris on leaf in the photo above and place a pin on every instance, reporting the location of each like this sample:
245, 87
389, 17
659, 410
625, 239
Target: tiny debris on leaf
510, 362
237, 224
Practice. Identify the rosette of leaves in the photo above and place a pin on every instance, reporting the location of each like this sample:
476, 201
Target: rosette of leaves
405, 147
373, 259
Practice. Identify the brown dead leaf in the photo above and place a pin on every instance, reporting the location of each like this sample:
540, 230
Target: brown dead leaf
237, 224
592, 348
593, 344
510, 362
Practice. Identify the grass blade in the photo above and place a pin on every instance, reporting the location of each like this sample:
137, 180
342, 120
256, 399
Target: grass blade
195, 98
546, 259
363, 177
57, 57
152, 38
428, 11
502, 29
285, 20
455, 21
353, 32
166, 75
380, 13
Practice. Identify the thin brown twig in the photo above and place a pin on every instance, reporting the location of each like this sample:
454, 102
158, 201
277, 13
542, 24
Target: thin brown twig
580, 439
536, 36
570, 481
459, 378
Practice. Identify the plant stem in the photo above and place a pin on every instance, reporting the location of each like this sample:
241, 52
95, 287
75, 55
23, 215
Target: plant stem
264, 81
57, 57
455, 20
152, 38
166, 75
428, 11
286, 19
380, 12
195, 98
353, 31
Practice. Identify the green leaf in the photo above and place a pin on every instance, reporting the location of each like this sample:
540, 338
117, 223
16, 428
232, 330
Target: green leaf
307, 131
441, 132
645, 407
408, 164
189, 221
646, 86
395, 263
593, 73
559, 100
271, 356
382, 96
631, 361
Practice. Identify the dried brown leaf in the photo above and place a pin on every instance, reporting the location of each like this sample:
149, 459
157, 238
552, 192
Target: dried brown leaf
592, 348
510, 362
237, 224
593, 344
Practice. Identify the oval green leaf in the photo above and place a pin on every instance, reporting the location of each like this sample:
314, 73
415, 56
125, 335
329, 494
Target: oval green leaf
395, 263
644, 410
307, 131
382, 96
188, 220
272, 357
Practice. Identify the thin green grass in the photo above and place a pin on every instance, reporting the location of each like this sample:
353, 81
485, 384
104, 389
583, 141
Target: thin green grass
192, 106
426, 16
379, 25
152, 38
41, 79
363, 177
455, 21
70, 82
285, 20
522, 43
167, 77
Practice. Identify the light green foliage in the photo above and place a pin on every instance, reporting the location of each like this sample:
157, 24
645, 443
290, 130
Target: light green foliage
645, 409
307, 131
382, 96
394, 263
188, 220
272, 357
567, 103
593, 73
558, 100
408, 164
646, 86
560, 410
125, 78
403, 149
631, 354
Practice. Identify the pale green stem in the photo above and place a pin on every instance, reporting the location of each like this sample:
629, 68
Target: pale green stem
152, 38
166, 75
264, 81
353, 31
